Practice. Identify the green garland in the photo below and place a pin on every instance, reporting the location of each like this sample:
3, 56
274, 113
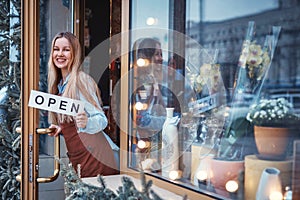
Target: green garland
76, 189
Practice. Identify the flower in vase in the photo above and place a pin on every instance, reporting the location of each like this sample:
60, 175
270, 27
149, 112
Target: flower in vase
256, 59
209, 75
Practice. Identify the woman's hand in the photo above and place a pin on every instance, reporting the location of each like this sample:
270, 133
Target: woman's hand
81, 120
56, 132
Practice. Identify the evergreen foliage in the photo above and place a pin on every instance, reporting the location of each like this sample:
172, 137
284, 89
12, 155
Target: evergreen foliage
10, 45
76, 189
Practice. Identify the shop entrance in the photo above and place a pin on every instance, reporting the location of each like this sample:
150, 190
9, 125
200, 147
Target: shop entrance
90, 21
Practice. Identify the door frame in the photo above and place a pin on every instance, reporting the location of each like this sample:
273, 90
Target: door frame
29, 81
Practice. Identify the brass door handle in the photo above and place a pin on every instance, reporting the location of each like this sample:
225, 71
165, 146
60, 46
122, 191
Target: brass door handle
56, 156
55, 175
45, 130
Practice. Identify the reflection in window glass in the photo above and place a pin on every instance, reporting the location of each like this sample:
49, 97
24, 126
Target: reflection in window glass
218, 10
150, 15
231, 57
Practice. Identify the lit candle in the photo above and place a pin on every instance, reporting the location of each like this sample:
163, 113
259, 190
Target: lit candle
202, 175
175, 174
232, 186
276, 196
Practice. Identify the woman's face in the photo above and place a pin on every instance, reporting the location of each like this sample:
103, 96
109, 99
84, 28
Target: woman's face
157, 67
62, 53
157, 57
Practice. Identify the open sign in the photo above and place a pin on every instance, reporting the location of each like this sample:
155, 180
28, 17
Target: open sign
54, 103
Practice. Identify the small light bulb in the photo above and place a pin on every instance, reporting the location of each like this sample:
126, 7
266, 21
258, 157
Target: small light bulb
151, 21
139, 106
141, 62
141, 144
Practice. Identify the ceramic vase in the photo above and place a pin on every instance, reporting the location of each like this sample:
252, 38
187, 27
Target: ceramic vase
170, 146
269, 185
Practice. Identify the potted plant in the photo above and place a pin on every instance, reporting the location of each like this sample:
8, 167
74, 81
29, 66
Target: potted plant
273, 120
235, 143
237, 139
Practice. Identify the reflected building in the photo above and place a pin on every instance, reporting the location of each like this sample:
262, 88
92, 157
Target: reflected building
283, 78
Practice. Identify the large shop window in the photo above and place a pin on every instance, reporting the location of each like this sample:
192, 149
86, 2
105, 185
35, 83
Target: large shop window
205, 78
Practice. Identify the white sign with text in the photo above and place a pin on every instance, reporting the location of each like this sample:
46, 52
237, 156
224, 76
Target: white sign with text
54, 103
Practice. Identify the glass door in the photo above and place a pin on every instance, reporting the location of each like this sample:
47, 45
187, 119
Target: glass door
39, 25
41, 18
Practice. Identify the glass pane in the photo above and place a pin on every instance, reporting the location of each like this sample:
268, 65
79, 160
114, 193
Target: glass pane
51, 12
227, 59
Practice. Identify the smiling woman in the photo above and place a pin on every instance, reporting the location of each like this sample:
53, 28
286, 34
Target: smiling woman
88, 150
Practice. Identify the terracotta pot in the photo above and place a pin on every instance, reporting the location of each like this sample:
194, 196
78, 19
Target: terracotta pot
223, 171
271, 142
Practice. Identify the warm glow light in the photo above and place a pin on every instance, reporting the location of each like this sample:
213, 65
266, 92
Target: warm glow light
139, 106
141, 144
151, 21
276, 196
226, 114
141, 62
174, 174
145, 106
232, 186
201, 175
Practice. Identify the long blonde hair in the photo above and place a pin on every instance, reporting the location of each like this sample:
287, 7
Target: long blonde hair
79, 81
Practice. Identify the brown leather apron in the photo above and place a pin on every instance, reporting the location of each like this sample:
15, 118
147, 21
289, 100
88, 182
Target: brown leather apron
91, 151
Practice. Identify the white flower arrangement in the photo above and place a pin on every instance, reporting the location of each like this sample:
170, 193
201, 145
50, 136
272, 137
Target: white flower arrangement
272, 112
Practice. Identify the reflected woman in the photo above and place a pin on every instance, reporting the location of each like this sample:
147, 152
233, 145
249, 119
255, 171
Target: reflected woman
151, 91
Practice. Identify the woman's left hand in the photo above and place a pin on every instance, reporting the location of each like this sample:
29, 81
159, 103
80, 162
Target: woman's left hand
81, 120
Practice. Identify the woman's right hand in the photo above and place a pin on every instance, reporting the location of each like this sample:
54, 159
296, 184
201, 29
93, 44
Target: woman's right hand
57, 130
